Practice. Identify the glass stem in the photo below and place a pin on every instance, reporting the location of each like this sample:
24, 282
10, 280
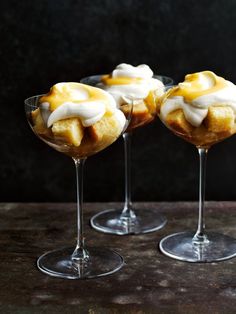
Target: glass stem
200, 236
80, 254
127, 211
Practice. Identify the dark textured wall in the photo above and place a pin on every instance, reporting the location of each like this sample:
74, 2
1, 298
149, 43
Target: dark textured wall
47, 41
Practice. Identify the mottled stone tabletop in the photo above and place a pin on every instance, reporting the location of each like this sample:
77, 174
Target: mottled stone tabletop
148, 283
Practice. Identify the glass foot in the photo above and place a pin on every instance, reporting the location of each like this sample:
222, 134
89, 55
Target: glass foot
179, 246
110, 221
58, 263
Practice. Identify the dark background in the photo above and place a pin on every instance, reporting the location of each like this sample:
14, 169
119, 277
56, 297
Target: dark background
48, 41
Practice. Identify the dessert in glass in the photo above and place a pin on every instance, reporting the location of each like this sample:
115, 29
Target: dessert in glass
140, 84
79, 121
202, 111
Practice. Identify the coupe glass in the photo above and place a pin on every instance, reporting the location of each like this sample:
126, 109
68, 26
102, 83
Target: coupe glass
77, 262
199, 246
128, 220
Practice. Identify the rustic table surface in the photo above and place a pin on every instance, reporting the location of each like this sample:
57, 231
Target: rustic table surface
148, 283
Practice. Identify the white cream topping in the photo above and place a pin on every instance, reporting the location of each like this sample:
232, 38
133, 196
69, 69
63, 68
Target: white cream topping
138, 90
89, 112
127, 70
121, 118
196, 111
193, 115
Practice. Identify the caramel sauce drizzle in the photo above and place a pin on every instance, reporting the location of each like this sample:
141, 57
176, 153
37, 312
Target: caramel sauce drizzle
109, 80
194, 88
57, 97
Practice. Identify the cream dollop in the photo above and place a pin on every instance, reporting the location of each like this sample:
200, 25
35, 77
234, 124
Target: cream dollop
197, 93
74, 100
136, 89
127, 70
88, 112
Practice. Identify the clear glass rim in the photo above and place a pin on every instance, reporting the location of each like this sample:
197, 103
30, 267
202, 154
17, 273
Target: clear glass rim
170, 81
167, 87
27, 100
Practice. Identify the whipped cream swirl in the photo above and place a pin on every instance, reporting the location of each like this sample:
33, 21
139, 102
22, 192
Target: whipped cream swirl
196, 94
76, 101
139, 82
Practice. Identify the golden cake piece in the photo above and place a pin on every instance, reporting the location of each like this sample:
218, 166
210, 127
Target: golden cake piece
105, 129
176, 121
38, 123
219, 119
69, 130
140, 115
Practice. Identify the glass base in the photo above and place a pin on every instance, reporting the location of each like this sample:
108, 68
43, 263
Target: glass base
179, 246
58, 263
110, 221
